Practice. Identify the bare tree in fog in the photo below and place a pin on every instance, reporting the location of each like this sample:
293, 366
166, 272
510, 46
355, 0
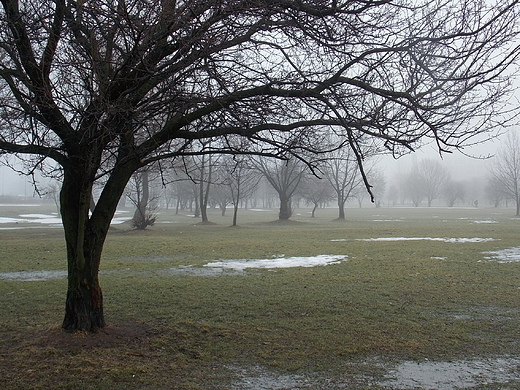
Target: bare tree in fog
242, 181
425, 181
433, 177
285, 177
138, 192
411, 187
505, 169
453, 191
342, 172
316, 191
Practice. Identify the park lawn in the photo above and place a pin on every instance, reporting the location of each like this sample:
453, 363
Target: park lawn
391, 300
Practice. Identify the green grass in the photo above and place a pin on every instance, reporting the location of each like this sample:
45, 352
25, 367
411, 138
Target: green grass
392, 300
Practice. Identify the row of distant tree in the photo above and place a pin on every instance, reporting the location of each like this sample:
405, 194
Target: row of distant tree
218, 181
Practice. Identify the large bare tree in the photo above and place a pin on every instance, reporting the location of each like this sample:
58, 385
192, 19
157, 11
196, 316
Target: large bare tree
95, 90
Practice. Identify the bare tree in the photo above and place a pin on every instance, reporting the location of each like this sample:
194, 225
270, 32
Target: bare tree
242, 181
285, 177
138, 192
412, 188
342, 172
432, 178
454, 190
103, 88
505, 170
316, 191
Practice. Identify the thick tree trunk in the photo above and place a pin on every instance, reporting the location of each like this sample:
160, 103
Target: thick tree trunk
285, 207
341, 207
84, 238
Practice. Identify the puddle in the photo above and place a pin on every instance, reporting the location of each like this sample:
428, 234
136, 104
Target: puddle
258, 378
454, 375
443, 239
508, 255
281, 262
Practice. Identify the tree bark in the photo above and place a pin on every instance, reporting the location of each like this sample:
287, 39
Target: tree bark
84, 239
341, 207
285, 207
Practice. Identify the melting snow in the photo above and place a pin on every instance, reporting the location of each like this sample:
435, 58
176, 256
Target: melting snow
443, 239
508, 255
281, 262
31, 276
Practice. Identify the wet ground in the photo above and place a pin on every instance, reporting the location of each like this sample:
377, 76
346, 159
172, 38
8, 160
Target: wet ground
501, 373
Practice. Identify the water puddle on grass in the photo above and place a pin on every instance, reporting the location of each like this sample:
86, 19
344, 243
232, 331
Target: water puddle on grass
280, 262
508, 255
452, 375
455, 375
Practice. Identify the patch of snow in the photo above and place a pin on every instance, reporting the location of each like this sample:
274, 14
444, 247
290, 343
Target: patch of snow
438, 258
31, 276
19, 205
259, 210
443, 239
508, 255
339, 240
280, 262
485, 221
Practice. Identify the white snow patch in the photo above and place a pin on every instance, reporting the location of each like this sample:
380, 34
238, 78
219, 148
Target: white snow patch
485, 221
443, 239
31, 276
508, 255
259, 210
281, 262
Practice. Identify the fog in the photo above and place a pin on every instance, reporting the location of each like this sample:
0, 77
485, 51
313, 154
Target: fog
461, 167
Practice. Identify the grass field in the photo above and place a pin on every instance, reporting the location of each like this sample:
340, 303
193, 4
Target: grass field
416, 285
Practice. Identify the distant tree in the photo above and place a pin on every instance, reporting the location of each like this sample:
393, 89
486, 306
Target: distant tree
505, 169
285, 177
316, 191
342, 172
433, 177
453, 191
138, 192
494, 192
377, 179
242, 180
412, 188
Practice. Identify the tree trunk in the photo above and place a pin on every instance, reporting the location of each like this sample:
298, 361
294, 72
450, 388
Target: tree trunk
314, 209
285, 207
84, 239
341, 207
